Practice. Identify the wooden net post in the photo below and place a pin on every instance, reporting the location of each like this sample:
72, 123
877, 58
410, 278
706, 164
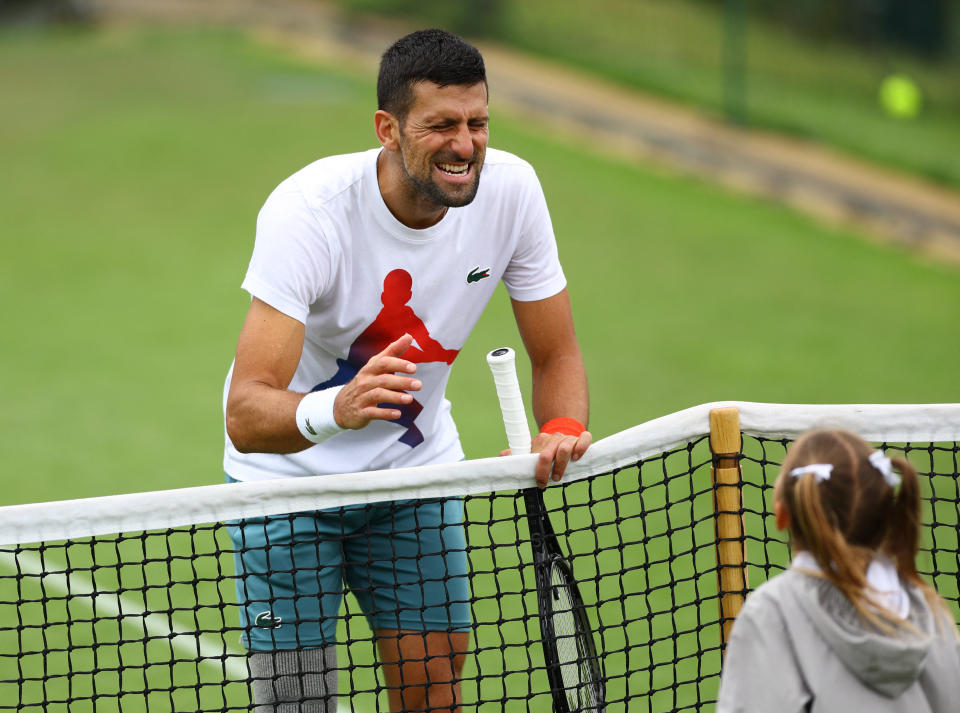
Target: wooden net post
726, 444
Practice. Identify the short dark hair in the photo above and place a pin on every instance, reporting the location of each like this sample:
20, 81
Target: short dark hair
426, 55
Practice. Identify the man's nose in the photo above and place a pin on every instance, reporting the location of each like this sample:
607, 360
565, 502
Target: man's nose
462, 143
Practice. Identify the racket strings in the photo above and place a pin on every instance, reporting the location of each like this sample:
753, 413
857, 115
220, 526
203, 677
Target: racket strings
576, 658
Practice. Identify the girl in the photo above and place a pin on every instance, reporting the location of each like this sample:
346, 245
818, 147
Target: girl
850, 627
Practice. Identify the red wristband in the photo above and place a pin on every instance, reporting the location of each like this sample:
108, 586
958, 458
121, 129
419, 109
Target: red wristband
565, 425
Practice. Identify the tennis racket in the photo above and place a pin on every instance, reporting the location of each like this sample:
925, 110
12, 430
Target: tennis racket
573, 667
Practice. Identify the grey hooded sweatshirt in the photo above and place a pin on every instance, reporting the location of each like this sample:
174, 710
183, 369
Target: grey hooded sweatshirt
799, 645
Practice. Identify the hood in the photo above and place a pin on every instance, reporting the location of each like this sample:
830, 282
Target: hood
885, 662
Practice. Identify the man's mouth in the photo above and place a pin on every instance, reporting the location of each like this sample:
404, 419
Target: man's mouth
454, 169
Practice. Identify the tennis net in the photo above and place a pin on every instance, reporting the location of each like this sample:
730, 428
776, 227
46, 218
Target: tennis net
130, 602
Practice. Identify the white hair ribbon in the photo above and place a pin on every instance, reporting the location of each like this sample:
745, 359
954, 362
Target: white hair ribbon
880, 461
821, 471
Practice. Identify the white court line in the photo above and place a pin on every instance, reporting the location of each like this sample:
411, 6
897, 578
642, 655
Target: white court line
185, 641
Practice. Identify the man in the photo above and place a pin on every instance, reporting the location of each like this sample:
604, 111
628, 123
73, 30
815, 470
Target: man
368, 273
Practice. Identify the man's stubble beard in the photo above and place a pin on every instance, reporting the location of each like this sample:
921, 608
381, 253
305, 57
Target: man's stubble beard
431, 191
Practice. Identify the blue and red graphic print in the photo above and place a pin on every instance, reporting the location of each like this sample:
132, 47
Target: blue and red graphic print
392, 322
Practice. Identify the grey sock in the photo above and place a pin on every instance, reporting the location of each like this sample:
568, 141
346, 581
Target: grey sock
295, 681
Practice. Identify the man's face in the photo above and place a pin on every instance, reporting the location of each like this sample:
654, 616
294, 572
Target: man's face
443, 141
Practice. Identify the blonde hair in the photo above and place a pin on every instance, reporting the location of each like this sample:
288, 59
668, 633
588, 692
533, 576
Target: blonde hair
845, 520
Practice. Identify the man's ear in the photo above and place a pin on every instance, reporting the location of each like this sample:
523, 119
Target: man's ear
781, 515
388, 129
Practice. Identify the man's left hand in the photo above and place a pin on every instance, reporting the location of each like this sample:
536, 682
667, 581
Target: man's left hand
556, 451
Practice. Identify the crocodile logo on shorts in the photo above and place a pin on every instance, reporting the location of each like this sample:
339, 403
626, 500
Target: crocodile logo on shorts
476, 274
266, 620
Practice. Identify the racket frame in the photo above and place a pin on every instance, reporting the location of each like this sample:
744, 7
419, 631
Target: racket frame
547, 554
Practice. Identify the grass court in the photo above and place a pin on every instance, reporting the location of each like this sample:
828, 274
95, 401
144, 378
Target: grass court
135, 162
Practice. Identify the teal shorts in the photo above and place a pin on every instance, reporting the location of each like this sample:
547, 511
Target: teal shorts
405, 561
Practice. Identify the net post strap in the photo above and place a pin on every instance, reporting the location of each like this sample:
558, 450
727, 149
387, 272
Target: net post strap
726, 445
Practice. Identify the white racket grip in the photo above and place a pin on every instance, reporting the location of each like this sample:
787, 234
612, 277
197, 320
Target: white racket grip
503, 365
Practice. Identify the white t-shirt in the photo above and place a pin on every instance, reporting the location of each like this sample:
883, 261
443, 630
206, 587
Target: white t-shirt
330, 254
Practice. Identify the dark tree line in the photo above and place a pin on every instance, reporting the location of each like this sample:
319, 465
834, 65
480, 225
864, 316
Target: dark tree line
921, 26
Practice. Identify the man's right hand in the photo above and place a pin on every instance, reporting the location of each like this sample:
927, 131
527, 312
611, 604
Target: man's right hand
377, 382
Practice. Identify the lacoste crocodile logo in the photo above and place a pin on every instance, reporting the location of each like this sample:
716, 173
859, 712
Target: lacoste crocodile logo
476, 274
309, 427
266, 620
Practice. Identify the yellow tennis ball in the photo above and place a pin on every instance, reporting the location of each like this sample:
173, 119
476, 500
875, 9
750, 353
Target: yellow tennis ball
900, 97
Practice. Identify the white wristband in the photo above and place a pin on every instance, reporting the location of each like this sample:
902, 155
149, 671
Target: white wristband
315, 415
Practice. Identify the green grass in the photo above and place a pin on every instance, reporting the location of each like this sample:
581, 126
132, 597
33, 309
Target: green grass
134, 167
684, 294
824, 90
134, 164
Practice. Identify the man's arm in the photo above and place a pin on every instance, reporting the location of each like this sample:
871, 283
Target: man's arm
261, 412
559, 380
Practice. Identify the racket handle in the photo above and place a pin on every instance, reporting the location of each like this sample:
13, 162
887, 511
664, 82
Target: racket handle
503, 364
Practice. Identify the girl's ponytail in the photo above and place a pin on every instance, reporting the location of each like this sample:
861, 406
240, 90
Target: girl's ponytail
820, 531
903, 537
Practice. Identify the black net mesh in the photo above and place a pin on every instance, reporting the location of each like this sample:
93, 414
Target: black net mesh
149, 621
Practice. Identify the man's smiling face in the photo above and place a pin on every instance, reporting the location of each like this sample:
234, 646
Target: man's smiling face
443, 141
